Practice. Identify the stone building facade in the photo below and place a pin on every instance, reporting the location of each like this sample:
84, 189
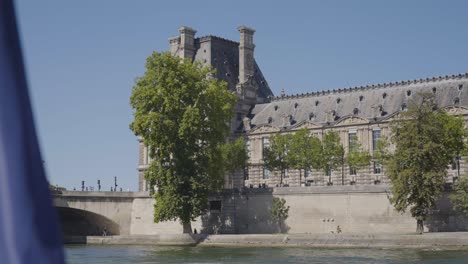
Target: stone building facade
363, 112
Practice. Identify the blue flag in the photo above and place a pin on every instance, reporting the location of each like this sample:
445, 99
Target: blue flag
29, 230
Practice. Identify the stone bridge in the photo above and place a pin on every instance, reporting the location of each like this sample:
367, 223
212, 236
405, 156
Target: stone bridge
89, 213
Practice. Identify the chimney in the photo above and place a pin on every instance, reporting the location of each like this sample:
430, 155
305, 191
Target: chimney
187, 42
246, 49
174, 45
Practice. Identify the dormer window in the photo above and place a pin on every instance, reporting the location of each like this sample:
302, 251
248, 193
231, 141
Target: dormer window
270, 120
434, 90
276, 107
361, 98
311, 116
384, 95
317, 103
408, 93
404, 107
460, 87
338, 100
456, 101
355, 111
296, 105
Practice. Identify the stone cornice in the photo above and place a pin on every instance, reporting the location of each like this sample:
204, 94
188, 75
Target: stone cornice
212, 37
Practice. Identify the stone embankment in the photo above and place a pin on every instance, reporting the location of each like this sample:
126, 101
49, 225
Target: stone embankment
428, 240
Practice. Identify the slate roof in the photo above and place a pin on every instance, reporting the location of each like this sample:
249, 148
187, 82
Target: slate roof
372, 102
224, 56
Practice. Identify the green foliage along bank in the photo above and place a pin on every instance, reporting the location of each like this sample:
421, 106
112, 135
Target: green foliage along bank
425, 144
183, 115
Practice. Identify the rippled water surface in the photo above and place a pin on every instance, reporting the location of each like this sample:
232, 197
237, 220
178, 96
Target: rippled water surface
154, 254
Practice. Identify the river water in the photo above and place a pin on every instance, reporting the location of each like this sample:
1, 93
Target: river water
92, 254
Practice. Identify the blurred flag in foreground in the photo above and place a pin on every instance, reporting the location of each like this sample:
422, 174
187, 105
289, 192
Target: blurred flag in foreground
29, 231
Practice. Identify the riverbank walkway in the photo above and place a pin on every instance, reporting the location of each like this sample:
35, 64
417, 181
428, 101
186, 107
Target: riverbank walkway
427, 240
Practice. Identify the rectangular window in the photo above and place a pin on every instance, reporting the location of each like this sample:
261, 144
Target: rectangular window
265, 144
352, 140
377, 168
306, 173
454, 164
352, 171
328, 173
266, 173
246, 174
286, 174
375, 138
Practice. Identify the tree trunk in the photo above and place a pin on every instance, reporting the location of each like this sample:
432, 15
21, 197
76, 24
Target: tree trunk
342, 170
420, 227
300, 177
187, 227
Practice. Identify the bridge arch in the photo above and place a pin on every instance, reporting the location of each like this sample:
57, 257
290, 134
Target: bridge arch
77, 222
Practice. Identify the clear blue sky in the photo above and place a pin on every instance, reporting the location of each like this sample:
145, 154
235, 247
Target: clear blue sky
82, 58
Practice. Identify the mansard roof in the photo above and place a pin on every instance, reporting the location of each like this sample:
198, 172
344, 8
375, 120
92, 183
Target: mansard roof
372, 102
223, 55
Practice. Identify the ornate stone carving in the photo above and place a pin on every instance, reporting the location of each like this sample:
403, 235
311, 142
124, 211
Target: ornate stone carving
264, 129
308, 125
456, 110
352, 120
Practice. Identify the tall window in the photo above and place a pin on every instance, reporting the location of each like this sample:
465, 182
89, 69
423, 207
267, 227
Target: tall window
455, 164
306, 173
286, 173
352, 171
266, 173
265, 144
377, 168
352, 140
375, 138
328, 173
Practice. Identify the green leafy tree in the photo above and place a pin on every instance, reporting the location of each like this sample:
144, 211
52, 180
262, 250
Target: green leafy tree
235, 156
332, 153
279, 212
456, 135
276, 156
382, 154
459, 197
304, 152
183, 116
424, 147
357, 158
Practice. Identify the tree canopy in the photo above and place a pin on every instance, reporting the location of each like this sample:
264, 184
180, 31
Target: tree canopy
459, 197
183, 115
275, 157
235, 156
304, 152
332, 153
279, 212
424, 147
357, 157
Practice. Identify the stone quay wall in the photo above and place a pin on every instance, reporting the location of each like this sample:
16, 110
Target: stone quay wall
354, 209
